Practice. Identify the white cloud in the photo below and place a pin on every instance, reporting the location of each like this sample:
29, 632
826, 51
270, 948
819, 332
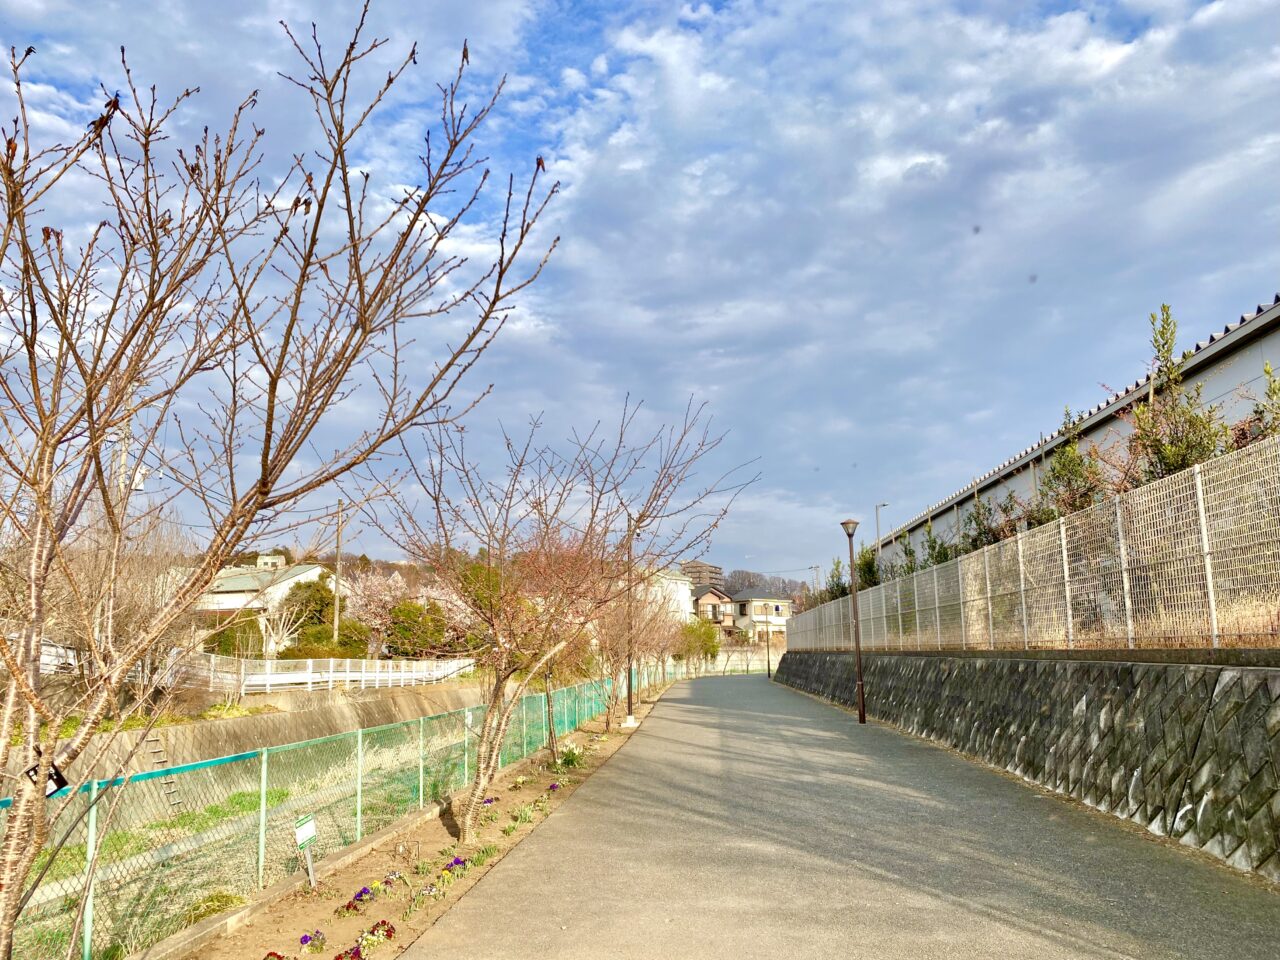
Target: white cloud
774, 203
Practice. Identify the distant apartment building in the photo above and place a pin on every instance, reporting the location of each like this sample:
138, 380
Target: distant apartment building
703, 573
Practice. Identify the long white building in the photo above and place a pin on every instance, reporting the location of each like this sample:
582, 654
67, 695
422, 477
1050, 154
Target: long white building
1229, 366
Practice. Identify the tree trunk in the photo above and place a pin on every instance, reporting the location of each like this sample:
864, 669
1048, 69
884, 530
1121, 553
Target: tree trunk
553, 742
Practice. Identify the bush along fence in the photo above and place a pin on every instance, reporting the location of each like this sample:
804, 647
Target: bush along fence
1192, 560
187, 842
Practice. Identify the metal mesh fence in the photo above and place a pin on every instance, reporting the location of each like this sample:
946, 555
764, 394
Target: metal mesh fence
190, 841
1191, 560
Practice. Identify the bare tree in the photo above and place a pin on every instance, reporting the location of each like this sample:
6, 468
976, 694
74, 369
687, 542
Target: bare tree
199, 337
535, 556
279, 626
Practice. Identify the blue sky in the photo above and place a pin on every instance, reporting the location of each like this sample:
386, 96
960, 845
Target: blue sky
886, 241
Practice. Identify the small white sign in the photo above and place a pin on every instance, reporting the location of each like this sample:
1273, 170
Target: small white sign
304, 829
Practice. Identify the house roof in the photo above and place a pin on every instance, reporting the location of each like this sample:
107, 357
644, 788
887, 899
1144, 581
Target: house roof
759, 593
703, 589
1249, 325
253, 580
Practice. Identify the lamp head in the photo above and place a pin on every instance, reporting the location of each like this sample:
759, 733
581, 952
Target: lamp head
849, 527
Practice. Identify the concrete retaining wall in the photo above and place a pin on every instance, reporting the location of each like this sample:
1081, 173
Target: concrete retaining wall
1189, 751
325, 713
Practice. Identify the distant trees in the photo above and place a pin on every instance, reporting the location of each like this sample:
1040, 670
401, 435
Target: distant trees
738, 580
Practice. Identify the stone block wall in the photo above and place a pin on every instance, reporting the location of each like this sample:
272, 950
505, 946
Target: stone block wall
1189, 751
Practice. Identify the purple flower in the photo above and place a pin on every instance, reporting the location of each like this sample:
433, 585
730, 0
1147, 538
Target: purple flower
490, 801
554, 786
305, 939
458, 862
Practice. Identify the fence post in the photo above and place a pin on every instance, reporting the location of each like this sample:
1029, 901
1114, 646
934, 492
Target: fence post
268, 676
212, 660
360, 783
1066, 583
331, 673
964, 628
422, 760
937, 607
363, 665
524, 727
897, 593
1208, 556
90, 846
310, 673
1022, 592
991, 620
262, 820
1124, 573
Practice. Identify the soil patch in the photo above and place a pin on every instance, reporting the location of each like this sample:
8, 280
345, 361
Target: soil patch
408, 875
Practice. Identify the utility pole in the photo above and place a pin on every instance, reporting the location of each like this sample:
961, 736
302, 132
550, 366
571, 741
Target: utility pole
337, 575
878, 506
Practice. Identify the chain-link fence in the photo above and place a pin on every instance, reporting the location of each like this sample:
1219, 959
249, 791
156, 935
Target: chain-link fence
1192, 560
186, 842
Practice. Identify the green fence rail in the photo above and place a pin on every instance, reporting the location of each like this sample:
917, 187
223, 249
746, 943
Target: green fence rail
189, 841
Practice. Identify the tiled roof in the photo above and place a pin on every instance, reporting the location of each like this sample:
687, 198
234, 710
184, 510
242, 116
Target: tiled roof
1052, 439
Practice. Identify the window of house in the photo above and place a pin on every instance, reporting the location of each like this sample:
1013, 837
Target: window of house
742, 609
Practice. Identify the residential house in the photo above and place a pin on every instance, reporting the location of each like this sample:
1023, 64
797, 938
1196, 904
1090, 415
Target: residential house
713, 604
673, 590
259, 589
758, 613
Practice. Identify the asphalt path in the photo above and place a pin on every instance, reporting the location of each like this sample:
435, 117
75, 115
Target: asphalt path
744, 820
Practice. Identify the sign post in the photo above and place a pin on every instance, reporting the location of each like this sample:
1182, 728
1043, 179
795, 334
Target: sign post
304, 831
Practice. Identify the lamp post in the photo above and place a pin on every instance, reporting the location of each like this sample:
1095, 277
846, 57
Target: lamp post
849, 527
768, 668
631, 626
878, 506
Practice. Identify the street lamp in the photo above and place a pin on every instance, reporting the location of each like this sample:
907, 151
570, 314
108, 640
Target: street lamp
849, 527
632, 535
768, 669
878, 506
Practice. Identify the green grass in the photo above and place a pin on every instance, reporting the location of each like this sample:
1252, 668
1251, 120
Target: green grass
72, 858
237, 804
484, 855
523, 814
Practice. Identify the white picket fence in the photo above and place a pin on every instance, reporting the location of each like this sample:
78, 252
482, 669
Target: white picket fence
211, 671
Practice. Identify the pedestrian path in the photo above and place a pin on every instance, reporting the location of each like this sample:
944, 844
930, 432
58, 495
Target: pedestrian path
745, 820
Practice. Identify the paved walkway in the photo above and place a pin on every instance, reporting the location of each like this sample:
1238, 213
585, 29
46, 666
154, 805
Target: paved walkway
744, 820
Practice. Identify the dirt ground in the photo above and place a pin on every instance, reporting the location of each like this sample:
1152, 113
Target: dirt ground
419, 854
